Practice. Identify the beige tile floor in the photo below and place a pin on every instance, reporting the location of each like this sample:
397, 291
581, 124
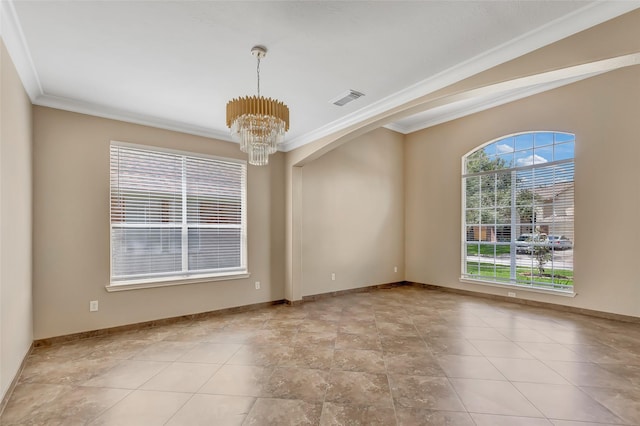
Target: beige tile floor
406, 356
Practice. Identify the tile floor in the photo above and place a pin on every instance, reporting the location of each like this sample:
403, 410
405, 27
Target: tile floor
406, 356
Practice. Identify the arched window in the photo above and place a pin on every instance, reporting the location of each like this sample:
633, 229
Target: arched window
518, 209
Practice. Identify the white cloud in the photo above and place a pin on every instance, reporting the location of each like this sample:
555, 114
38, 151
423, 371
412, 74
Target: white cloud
532, 159
504, 149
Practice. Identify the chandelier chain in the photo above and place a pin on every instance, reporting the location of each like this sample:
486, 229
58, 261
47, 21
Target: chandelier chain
258, 73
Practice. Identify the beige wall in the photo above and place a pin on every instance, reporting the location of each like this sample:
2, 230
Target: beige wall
353, 215
15, 222
71, 229
603, 113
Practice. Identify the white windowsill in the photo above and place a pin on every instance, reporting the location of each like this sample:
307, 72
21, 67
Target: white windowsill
514, 287
171, 281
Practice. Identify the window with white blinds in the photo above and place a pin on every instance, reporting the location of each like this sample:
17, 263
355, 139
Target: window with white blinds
175, 215
518, 211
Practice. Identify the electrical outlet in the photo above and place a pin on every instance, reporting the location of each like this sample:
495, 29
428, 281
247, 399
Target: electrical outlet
395, 269
511, 294
257, 285
93, 306
333, 276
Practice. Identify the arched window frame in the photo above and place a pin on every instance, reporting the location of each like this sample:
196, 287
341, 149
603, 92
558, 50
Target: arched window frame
528, 182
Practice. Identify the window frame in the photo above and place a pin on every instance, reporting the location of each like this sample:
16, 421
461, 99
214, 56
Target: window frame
185, 276
465, 277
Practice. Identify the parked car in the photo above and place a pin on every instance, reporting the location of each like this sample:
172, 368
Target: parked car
526, 242
559, 242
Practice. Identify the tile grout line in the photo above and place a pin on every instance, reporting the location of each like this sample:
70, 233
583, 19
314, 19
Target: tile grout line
386, 370
512, 383
110, 407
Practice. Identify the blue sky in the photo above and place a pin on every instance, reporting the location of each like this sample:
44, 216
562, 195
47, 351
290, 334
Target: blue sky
532, 148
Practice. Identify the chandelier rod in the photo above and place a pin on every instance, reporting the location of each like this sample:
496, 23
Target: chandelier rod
258, 74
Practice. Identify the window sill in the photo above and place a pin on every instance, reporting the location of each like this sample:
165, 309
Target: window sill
171, 281
513, 287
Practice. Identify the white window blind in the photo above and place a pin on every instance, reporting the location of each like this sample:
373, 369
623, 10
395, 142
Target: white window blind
175, 215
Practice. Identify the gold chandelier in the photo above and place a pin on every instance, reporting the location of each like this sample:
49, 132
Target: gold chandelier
258, 123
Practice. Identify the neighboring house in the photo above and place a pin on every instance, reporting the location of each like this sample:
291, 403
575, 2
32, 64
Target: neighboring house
555, 215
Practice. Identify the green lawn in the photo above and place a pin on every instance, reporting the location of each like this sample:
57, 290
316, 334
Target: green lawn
487, 250
562, 277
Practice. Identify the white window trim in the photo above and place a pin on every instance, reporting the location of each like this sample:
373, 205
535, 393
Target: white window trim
176, 151
520, 287
183, 279
468, 280
173, 281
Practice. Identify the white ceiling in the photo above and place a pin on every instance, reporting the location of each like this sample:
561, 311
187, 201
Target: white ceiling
175, 64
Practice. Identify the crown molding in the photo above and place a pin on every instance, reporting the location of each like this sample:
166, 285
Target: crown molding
15, 41
586, 17
581, 19
457, 105
16, 44
434, 117
129, 117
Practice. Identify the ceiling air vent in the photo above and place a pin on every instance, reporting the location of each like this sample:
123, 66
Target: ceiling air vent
347, 97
